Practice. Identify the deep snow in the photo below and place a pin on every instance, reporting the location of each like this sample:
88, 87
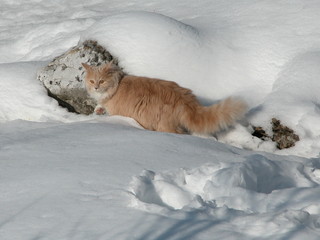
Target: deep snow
65, 176
76, 181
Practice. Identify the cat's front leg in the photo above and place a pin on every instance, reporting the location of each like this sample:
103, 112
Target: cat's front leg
100, 110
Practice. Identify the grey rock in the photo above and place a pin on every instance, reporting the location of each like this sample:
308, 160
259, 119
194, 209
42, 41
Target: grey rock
63, 76
283, 136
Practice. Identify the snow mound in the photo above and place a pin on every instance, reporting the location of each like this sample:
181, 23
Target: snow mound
41, 42
295, 100
22, 97
217, 64
154, 45
214, 62
255, 185
147, 43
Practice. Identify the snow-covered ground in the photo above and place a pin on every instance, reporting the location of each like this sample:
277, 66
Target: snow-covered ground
65, 176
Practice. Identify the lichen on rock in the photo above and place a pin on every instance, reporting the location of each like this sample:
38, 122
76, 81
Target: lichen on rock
63, 76
282, 135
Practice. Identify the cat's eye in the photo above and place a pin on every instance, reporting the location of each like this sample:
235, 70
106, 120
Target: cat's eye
101, 81
91, 81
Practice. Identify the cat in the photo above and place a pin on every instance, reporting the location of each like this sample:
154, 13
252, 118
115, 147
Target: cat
157, 104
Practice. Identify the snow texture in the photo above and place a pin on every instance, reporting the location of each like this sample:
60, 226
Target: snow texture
68, 176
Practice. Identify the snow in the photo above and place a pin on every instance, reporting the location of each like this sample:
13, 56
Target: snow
66, 176
77, 180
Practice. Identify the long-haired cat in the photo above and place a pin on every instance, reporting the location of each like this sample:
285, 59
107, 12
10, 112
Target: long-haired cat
157, 104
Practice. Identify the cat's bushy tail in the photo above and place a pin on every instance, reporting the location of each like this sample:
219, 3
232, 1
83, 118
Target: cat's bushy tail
206, 120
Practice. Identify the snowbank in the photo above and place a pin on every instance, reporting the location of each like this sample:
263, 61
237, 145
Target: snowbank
62, 181
154, 45
150, 44
22, 97
222, 183
273, 68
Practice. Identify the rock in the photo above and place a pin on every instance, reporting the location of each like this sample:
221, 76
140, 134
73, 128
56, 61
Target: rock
259, 132
63, 77
282, 135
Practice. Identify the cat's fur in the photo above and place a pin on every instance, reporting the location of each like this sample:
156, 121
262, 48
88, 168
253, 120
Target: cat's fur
157, 104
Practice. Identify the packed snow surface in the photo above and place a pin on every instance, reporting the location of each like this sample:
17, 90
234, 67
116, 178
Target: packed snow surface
66, 176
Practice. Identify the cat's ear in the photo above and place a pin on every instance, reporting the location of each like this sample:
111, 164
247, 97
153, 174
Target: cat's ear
110, 66
111, 63
86, 66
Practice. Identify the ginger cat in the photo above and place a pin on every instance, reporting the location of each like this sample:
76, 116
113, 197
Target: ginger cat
157, 104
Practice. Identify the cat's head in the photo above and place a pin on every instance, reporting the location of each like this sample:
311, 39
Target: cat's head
103, 78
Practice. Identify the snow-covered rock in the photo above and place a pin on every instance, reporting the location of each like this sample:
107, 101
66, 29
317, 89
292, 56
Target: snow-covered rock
63, 77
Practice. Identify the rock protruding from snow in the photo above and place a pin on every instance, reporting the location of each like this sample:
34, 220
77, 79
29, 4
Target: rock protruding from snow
63, 77
284, 136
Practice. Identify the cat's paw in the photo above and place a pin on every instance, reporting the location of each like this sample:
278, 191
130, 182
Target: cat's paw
100, 110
